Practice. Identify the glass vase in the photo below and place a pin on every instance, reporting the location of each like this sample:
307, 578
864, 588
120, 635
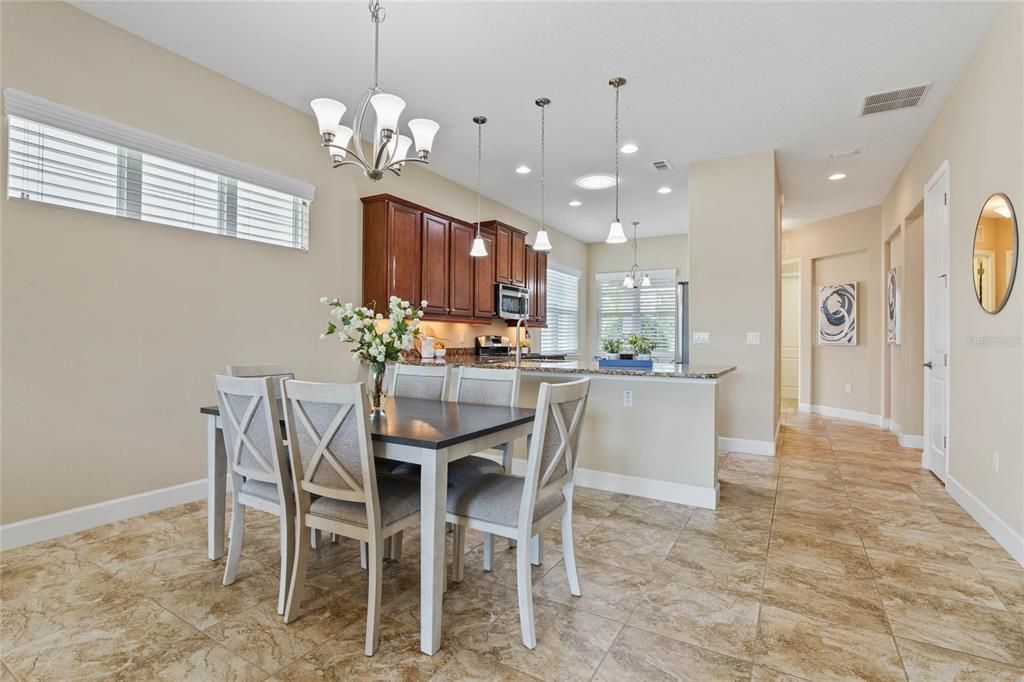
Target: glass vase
375, 388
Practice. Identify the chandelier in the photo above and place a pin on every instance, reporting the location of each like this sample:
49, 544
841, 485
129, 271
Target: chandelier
615, 233
542, 243
349, 147
630, 280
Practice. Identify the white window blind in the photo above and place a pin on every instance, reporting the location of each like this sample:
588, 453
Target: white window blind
563, 299
96, 165
646, 310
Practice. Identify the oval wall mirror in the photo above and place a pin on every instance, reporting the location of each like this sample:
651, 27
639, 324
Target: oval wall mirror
995, 253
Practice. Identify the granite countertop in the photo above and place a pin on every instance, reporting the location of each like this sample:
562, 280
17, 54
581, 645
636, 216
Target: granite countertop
666, 370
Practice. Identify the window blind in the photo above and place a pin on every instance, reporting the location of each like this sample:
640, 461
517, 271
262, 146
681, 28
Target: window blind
645, 310
66, 167
563, 299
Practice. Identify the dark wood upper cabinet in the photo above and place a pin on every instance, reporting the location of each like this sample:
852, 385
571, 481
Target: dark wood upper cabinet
518, 275
531, 281
391, 252
503, 254
461, 275
542, 287
483, 269
434, 265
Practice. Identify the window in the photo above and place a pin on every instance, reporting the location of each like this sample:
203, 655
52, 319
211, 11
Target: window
646, 310
562, 333
179, 186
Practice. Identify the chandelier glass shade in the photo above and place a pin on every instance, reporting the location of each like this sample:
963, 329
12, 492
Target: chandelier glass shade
615, 233
386, 149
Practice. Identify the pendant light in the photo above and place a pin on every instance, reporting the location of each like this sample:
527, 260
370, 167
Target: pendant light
541, 243
615, 233
479, 249
629, 281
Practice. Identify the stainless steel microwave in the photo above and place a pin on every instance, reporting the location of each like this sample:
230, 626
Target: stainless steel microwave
512, 302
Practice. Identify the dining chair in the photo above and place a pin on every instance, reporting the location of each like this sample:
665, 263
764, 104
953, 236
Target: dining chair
258, 467
520, 508
420, 381
332, 457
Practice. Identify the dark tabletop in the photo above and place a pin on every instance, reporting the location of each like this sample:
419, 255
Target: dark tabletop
434, 424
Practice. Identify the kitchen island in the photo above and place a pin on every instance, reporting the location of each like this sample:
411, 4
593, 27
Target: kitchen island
652, 433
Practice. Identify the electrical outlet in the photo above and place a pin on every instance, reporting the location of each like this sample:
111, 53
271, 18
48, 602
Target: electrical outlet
627, 398
702, 337
849, 388
995, 461
753, 338
462, 337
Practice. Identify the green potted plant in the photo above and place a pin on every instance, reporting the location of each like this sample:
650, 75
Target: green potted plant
642, 346
611, 347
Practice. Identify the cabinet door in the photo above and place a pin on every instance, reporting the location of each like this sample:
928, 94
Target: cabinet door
434, 265
518, 275
483, 268
503, 255
542, 287
404, 253
460, 266
531, 281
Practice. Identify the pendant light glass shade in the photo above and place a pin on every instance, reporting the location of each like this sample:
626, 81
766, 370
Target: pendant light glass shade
423, 131
479, 248
342, 134
615, 234
404, 142
645, 281
541, 243
328, 113
628, 281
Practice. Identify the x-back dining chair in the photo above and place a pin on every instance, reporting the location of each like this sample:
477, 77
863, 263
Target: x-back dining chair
429, 382
331, 456
520, 508
258, 466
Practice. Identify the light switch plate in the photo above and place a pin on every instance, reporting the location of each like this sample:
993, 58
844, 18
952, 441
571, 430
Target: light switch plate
702, 337
753, 338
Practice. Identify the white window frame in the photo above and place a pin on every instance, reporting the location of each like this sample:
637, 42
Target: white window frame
618, 277
565, 270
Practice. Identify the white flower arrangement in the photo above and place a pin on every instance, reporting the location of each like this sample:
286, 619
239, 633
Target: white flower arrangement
373, 342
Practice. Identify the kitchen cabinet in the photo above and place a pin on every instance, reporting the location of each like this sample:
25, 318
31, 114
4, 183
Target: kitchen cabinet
537, 285
509, 253
434, 264
391, 252
485, 278
461, 272
518, 255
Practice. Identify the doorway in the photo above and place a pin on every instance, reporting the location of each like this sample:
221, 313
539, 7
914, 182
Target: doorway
936, 323
789, 346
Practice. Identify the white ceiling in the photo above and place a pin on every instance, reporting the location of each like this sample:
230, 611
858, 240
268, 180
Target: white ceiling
705, 80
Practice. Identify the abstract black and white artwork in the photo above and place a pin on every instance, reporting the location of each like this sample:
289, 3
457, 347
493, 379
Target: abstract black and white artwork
837, 315
892, 307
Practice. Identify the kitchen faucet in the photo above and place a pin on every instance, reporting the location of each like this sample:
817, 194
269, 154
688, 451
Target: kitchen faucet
519, 347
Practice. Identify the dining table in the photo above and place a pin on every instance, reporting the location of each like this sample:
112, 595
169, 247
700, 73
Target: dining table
431, 433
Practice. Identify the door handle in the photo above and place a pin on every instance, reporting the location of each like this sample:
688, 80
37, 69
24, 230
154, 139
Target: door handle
928, 364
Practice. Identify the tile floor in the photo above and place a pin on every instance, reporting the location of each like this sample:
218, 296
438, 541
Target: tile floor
839, 559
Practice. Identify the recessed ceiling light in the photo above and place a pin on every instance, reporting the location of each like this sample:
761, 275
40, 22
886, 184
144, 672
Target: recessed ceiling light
596, 181
837, 176
664, 190
523, 170
575, 202
629, 148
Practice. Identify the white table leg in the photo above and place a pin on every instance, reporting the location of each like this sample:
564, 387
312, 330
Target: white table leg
216, 485
433, 497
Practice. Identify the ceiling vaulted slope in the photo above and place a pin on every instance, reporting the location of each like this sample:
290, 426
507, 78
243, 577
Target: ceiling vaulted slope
706, 80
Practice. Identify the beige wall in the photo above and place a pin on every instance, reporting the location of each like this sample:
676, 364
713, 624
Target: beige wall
840, 249
734, 264
979, 132
113, 328
903, 376
654, 253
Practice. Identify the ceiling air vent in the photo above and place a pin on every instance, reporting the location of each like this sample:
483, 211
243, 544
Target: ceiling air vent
894, 99
662, 165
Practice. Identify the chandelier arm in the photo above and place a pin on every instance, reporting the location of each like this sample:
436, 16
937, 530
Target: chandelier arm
349, 163
399, 162
357, 124
353, 152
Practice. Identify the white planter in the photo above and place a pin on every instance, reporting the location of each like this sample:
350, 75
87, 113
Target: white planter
643, 356
611, 356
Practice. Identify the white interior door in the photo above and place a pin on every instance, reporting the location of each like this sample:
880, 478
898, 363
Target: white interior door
936, 327
790, 346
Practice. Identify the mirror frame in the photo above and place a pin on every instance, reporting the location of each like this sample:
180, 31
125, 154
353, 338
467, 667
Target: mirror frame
1016, 253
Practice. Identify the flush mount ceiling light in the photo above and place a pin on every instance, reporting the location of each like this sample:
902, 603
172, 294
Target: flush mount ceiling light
596, 181
479, 249
615, 233
575, 202
347, 146
837, 176
664, 190
541, 243
629, 148
523, 170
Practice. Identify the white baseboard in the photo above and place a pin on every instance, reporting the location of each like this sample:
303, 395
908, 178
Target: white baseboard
986, 518
905, 440
747, 446
667, 491
840, 413
83, 518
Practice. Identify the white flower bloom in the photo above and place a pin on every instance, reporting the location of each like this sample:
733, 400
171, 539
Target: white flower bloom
419, 313
379, 316
324, 299
323, 336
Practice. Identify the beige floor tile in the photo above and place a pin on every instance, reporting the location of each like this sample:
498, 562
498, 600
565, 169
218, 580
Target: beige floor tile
837, 526
194, 658
1004, 576
664, 515
763, 673
957, 625
948, 579
818, 554
608, 591
726, 562
850, 601
926, 663
817, 649
644, 657
627, 543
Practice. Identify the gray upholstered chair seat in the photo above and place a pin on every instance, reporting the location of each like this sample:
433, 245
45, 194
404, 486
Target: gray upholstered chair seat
398, 499
462, 470
261, 489
495, 498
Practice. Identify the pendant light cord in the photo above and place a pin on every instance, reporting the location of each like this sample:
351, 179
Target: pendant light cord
479, 173
542, 168
617, 153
